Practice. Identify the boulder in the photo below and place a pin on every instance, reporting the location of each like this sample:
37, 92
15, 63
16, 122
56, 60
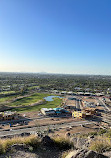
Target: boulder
68, 134
107, 153
90, 137
81, 143
74, 140
47, 141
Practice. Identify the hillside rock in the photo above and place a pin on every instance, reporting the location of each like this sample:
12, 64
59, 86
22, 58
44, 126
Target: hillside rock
107, 153
81, 143
85, 154
47, 141
18, 147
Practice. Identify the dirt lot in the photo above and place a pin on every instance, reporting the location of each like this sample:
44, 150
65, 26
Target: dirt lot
77, 130
32, 114
69, 102
38, 122
88, 99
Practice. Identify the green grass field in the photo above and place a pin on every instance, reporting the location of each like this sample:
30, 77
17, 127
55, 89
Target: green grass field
29, 100
7, 92
33, 87
4, 99
49, 104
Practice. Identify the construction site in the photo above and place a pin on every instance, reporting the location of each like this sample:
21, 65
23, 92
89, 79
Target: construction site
81, 107
8, 115
74, 115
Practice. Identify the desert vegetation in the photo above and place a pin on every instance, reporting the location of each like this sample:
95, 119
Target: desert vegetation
32, 140
102, 141
33, 143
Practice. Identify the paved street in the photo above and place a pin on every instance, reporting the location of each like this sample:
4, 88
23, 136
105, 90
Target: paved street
44, 128
103, 103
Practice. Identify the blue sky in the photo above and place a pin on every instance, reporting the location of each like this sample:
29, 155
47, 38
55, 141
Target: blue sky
58, 36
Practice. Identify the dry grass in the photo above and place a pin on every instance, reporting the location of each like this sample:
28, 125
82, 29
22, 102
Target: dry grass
63, 143
6, 143
65, 153
34, 142
101, 144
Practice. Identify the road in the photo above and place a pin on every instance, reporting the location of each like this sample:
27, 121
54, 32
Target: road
77, 104
103, 103
106, 116
80, 103
44, 128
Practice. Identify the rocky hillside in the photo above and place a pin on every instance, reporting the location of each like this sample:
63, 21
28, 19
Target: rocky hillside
46, 147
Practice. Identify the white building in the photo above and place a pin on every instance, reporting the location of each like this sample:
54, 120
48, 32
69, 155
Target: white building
47, 111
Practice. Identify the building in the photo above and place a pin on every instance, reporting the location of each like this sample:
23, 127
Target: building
55, 91
70, 107
80, 93
8, 115
89, 112
47, 111
60, 110
99, 94
70, 93
78, 114
63, 92
53, 111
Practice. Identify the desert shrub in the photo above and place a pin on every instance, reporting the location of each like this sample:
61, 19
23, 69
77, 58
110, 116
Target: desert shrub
102, 131
1, 147
100, 145
108, 133
88, 134
7, 143
63, 143
65, 153
32, 141
93, 133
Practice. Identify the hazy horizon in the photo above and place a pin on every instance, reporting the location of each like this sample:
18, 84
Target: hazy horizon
46, 73
63, 37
